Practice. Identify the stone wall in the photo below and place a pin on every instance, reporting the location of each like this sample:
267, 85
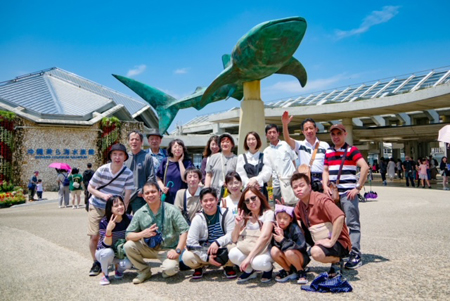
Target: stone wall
43, 145
37, 146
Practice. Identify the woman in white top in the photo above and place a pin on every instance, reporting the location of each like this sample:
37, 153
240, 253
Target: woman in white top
255, 216
251, 163
233, 183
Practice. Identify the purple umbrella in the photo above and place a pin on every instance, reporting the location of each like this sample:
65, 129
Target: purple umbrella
58, 165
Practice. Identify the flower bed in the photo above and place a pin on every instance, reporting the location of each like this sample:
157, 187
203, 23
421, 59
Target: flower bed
8, 199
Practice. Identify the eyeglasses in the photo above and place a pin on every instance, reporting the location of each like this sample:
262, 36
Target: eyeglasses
252, 198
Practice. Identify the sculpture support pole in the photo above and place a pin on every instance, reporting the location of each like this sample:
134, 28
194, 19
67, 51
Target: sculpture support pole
252, 117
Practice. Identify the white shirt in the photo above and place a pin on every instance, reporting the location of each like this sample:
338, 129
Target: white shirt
305, 150
252, 159
279, 158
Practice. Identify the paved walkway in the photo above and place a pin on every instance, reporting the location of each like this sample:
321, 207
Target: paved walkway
406, 243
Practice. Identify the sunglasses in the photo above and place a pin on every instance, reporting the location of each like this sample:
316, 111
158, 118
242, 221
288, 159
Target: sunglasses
252, 198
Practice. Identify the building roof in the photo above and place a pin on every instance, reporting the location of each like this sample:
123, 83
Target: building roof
55, 94
378, 89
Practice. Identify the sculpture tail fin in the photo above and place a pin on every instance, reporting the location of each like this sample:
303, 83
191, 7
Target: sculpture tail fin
295, 68
159, 100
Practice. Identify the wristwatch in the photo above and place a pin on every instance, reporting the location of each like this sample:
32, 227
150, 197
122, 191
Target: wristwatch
358, 186
178, 251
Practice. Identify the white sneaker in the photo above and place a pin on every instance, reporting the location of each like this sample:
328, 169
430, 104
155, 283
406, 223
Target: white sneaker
73, 207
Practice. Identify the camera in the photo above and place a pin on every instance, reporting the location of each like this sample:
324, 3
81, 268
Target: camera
317, 185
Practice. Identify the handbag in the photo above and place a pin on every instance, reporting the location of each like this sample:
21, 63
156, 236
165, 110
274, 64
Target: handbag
222, 256
286, 191
285, 187
248, 238
119, 251
334, 186
76, 185
321, 231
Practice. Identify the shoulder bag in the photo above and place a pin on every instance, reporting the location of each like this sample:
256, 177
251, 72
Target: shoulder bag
248, 238
334, 186
285, 187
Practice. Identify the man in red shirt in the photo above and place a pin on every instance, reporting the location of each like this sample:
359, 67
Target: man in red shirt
349, 186
317, 208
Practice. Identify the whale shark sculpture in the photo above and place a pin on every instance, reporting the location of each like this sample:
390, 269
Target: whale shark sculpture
266, 49
167, 106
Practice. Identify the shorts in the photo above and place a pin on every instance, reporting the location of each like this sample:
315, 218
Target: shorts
95, 215
336, 251
423, 176
76, 192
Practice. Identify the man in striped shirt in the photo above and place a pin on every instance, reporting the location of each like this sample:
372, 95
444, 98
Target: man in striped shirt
111, 179
349, 186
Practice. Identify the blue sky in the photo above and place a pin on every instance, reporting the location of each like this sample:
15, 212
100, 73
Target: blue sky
177, 46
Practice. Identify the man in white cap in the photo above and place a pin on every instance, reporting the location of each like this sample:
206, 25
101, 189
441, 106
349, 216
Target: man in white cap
111, 179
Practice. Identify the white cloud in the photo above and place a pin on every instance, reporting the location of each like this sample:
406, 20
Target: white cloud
293, 86
181, 71
375, 18
136, 71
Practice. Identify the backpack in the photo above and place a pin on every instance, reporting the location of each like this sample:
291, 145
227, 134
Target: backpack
66, 181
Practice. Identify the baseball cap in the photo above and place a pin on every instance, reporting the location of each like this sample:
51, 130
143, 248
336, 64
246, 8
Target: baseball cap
339, 127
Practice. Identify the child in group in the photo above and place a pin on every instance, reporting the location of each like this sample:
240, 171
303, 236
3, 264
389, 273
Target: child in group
233, 183
39, 189
289, 246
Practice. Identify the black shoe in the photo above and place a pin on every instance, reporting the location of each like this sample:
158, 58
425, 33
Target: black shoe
96, 269
354, 261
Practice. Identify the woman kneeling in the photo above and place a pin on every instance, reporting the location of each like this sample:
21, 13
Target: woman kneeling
209, 235
253, 232
112, 233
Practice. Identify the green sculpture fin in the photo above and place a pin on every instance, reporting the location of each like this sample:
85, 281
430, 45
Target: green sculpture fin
295, 68
228, 76
226, 60
159, 100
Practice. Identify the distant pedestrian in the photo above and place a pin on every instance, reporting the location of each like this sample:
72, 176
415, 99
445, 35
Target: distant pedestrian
87, 175
32, 186
391, 169
422, 169
444, 167
39, 189
399, 169
383, 170
408, 167
75, 187
63, 183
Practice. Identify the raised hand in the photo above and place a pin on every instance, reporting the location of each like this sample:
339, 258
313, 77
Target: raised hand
285, 118
111, 223
224, 203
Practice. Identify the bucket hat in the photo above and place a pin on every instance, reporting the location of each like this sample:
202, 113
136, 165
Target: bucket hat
118, 147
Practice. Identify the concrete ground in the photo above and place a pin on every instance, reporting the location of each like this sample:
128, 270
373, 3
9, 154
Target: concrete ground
405, 241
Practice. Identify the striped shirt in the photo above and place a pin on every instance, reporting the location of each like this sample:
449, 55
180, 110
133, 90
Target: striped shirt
102, 176
333, 159
215, 230
117, 233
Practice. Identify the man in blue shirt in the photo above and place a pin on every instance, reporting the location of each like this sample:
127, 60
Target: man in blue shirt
155, 139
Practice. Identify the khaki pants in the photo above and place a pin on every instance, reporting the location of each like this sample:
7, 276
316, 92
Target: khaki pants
137, 251
194, 261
